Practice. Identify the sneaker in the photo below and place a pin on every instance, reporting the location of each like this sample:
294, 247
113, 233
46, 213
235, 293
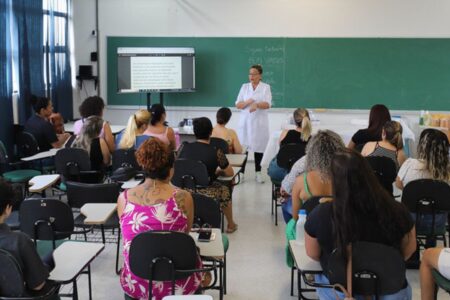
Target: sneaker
259, 177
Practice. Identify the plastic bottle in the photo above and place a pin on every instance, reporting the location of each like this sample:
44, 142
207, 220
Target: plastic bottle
300, 227
421, 121
427, 118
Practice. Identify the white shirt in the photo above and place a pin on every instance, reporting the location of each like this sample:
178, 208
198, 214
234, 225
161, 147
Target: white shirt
253, 130
413, 169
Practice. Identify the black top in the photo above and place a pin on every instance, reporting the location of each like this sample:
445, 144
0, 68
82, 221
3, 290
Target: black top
293, 137
43, 132
207, 154
319, 225
22, 248
96, 155
363, 136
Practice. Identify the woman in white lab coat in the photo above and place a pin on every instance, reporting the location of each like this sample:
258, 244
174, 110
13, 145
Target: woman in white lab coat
254, 100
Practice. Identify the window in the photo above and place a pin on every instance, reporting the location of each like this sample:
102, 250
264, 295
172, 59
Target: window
55, 35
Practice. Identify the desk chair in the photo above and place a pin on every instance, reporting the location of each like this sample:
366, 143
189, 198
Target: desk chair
385, 170
219, 143
190, 174
12, 282
19, 179
124, 158
441, 282
165, 256
74, 164
26, 144
78, 194
207, 210
427, 197
377, 270
286, 157
46, 219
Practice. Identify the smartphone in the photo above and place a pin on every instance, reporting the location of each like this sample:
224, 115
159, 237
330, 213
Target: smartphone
204, 236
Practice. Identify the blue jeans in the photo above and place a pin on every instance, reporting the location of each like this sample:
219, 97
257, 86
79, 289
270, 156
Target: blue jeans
275, 172
286, 208
328, 294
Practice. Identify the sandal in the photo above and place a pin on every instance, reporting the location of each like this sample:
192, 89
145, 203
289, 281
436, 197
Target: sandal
232, 229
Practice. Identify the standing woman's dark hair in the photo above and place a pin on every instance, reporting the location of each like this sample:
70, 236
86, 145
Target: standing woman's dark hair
379, 115
257, 68
39, 103
360, 199
157, 110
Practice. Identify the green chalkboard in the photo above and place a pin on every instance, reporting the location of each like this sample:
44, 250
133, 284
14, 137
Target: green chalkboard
403, 73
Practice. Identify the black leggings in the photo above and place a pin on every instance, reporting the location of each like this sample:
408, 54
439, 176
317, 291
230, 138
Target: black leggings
258, 158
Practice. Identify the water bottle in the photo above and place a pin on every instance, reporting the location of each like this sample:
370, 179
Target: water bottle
421, 121
300, 227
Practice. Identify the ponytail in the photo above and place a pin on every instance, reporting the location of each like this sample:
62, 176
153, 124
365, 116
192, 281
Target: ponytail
301, 118
129, 135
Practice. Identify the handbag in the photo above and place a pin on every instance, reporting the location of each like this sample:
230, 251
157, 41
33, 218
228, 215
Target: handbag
349, 273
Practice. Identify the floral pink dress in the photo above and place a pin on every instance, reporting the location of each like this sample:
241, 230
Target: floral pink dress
139, 218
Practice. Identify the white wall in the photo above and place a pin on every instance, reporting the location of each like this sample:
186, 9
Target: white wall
274, 18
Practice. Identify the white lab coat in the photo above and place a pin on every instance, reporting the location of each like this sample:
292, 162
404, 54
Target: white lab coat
253, 130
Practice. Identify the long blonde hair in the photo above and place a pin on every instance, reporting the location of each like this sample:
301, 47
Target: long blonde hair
433, 149
91, 129
301, 119
135, 121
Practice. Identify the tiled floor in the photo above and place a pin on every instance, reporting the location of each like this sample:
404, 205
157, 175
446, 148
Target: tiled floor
256, 258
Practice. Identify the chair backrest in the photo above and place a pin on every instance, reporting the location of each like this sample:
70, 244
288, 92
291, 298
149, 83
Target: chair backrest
156, 254
289, 154
124, 158
79, 193
46, 219
190, 174
26, 144
377, 269
219, 143
426, 196
11, 277
206, 210
69, 162
385, 170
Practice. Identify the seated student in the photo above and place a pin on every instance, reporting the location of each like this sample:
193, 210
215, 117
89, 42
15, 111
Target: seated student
379, 115
361, 210
217, 165
223, 115
155, 205
432, 162
39, 126
158, 126
390, 145
300, 135
433, 258
133, 135
35, 272
94, 106
89, 140
316, 180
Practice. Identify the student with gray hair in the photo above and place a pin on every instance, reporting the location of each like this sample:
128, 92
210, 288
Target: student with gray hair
316, 180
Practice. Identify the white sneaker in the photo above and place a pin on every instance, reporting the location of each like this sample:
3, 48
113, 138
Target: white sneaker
259, 177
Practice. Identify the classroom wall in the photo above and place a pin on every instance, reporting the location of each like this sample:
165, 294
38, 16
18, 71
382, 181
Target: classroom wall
286, 18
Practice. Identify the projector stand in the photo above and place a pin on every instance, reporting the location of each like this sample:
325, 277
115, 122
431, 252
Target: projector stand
149, 100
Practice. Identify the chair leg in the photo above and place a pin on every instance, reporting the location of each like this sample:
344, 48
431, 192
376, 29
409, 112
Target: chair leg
103, 234
292, 280
221, 289
273, 196
89, 282
75, 290
117, 254
225, 274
